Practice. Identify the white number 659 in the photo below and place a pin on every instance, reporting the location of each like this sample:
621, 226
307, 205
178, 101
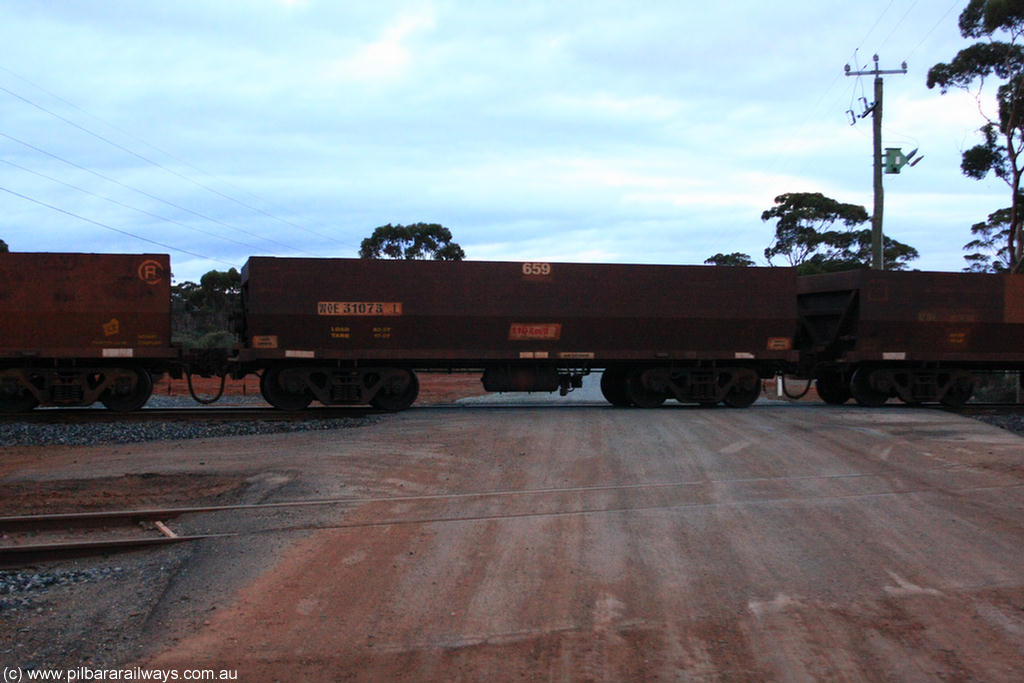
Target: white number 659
536, 269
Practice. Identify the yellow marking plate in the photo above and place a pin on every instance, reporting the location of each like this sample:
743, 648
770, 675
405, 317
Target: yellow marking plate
368, 308
264, 341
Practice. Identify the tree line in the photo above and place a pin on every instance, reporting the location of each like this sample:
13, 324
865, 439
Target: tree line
818, 234
207, 314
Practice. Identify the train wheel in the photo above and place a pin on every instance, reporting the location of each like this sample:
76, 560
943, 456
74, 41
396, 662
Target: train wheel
126, 395
398, 392
613, 387
640, 393
960, 390
14, 398
832, 388
743, 393
284, 390
863, 392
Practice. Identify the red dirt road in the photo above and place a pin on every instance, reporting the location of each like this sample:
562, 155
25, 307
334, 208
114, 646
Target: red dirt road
779, 543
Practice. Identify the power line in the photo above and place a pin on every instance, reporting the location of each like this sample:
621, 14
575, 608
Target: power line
872, 29
158, 164
151, 196
932, 30
899, 23
126, 206
110, 227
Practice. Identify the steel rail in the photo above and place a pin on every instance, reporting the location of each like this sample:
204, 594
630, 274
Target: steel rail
20, 555
24, 553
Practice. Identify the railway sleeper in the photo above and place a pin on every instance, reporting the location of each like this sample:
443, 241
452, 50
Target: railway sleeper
118, 388
295, 387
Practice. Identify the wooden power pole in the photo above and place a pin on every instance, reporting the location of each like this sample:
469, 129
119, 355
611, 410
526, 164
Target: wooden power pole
877, 241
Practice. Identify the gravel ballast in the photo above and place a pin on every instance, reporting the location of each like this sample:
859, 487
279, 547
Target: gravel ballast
92, 433
1013, 422
16, 433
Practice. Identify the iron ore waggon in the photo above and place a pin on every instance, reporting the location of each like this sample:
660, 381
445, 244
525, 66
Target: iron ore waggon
916, 336
81, 328
356, 331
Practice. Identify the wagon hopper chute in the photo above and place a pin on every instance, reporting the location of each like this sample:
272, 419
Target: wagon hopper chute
916, 336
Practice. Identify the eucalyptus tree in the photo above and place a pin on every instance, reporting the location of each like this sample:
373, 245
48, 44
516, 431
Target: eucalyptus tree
735, 260
416, 241
989, 251
997, 26
818, 234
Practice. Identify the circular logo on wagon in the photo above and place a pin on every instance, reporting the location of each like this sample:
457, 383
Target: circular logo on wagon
151, 272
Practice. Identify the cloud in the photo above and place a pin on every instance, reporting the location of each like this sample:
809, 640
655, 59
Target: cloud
387, 58
571, 130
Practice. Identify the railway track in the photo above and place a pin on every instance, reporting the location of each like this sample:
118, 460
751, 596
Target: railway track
249, 413
33, 538
28, 539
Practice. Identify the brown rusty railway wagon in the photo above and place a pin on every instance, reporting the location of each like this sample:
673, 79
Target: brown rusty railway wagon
80, 328
913, 335
355, 331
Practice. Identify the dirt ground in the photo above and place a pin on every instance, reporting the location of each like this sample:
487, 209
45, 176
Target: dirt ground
579, 543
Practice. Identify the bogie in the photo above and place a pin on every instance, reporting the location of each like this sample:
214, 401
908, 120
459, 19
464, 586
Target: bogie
285, 389
744, 391
398, 390
15, 396
296, 387
873, 386
613, 386
646, 388
128, 390
868, 388
650, 387
120, 389
833, 387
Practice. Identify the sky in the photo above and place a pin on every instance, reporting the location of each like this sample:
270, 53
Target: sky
621, 132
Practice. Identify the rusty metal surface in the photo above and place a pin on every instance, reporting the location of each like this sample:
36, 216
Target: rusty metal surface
433, 311
924, 316
85, 305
